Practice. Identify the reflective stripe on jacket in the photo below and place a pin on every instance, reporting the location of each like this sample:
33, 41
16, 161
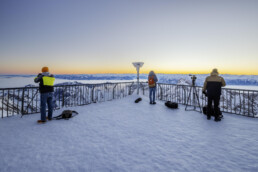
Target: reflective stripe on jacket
46, 82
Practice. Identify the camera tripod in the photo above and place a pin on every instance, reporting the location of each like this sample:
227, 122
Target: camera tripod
195, 97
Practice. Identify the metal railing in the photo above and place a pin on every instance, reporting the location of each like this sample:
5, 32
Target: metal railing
235, 101
26, 100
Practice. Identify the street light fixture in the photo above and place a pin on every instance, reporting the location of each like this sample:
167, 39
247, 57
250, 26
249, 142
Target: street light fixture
138, 65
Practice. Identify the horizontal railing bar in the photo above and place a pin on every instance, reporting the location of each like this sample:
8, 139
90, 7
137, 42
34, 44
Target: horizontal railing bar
26, 100
201, 87
16, 88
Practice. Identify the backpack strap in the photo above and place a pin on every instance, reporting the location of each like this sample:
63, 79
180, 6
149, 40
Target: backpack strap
75, 112
61, 116
58, 117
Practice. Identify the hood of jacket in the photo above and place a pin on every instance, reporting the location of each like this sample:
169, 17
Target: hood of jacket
45, 73
214, 72
151, 73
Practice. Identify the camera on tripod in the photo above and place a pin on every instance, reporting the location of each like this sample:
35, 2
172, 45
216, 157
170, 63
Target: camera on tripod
193, 97
193, 77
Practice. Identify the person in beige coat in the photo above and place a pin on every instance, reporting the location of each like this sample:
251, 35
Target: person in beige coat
212, 85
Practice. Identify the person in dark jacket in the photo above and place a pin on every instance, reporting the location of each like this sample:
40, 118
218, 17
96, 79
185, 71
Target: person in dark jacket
46, 89
152, 80
212, 85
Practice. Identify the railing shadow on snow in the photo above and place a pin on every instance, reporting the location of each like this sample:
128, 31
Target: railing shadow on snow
235, 101
26, 100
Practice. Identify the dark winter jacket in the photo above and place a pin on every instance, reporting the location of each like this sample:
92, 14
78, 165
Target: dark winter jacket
46, 82
213, 84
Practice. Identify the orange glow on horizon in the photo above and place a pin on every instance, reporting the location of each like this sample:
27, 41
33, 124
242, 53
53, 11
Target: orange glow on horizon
128, 72
131, 70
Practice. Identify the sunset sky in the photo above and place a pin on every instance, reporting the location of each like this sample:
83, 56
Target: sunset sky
106, 36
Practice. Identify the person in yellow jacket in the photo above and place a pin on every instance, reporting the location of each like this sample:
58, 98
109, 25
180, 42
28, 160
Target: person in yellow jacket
46, 89
212, 85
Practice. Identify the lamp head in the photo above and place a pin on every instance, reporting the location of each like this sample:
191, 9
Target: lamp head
138, 64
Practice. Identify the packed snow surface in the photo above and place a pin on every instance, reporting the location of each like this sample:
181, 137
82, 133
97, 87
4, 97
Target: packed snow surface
123, 136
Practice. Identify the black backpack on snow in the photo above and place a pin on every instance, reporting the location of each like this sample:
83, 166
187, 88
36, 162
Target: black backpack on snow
172, 105
138, 100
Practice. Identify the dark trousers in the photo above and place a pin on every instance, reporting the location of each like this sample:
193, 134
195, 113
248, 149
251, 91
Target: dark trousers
152, 94
46, 100
215, 100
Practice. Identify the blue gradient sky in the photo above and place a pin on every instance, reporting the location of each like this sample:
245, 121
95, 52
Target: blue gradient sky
106, 36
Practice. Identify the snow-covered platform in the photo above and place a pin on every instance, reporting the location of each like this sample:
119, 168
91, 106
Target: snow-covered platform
121, 135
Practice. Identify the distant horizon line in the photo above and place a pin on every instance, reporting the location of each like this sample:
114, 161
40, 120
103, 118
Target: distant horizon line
133, 73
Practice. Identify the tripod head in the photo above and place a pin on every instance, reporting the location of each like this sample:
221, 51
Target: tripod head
193, 77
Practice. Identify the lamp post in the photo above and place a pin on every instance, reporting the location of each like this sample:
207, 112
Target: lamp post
138, 65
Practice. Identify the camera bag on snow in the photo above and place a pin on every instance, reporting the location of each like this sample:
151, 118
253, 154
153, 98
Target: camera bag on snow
66, 114
138, 100
172, 105
205, 111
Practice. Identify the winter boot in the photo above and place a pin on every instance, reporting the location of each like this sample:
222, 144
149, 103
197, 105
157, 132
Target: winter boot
49, 119
217, 119
41, 122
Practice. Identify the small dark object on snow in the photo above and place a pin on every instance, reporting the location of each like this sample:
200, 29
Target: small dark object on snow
172, 105
217, 119
205, 110
66, 114
205, 93
137, 100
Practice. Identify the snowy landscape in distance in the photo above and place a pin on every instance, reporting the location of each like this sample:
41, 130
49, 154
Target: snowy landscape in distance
249, 82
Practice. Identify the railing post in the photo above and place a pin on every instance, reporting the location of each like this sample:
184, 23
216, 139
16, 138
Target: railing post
161, 93
185, 96
7, 103
142, 89
130, 88
3, 105
114, 91
248, 103
92, 94
22, 106
63, 97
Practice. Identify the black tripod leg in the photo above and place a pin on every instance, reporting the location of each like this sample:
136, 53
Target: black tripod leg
195, 96
198, 101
